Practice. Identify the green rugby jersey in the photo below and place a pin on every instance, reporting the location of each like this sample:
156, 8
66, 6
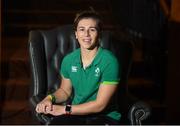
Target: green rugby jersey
104, 69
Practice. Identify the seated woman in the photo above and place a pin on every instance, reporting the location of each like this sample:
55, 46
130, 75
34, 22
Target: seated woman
90, 76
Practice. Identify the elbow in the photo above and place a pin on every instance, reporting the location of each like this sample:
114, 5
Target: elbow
100, 109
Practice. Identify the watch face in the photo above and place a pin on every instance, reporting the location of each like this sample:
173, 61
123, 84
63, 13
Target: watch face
68, 108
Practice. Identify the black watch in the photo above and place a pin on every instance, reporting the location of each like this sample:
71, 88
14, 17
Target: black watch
68, 109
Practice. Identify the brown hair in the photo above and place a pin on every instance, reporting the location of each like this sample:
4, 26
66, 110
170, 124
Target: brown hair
88, 14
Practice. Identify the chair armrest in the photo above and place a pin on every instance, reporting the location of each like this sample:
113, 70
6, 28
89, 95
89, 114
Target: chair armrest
43, 118
138, 112
133, 110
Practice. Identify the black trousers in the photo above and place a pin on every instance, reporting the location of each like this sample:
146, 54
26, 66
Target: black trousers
83, 120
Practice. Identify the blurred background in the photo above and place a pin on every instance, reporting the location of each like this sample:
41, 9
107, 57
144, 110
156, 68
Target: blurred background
152, 25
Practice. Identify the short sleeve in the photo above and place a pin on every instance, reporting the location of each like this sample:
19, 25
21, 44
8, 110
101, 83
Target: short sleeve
64, 68
111, 73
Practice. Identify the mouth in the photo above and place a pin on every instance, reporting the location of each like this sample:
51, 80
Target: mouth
86, 40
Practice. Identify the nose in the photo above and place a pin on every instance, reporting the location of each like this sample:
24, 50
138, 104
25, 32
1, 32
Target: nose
86, 32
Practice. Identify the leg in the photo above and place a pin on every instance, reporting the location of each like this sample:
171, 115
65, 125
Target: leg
101, 120
68, 120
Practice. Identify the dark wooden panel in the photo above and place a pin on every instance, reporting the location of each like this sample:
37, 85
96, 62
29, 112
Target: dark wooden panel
173, 86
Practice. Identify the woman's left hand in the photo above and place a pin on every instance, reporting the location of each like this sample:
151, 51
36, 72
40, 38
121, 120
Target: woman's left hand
57, 110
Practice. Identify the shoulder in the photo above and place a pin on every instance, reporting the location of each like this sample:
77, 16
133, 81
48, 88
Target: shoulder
107, 55
71, 56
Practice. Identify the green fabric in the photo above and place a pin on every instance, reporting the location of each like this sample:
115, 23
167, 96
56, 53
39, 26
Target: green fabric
110, 82
103, 70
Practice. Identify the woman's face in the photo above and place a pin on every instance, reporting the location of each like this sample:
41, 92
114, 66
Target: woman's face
87, 33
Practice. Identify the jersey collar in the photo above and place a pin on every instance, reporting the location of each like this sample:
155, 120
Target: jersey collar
95, 61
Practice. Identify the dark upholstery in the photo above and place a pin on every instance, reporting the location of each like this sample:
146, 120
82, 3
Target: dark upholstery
47, 49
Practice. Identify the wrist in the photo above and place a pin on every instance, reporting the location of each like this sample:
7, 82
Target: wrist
68, 109
52, 98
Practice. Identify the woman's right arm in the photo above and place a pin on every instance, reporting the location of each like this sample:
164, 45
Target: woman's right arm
61, 95
64, 92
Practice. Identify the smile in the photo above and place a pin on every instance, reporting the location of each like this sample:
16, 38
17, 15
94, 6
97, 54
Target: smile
87, 40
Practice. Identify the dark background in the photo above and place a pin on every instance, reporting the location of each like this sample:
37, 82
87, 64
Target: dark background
155, 69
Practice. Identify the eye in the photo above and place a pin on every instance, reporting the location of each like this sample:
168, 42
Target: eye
93, 30
81, 29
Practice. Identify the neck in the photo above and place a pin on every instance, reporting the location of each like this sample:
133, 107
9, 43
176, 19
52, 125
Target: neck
87, 56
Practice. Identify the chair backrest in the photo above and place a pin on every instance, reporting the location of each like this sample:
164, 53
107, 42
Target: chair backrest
48, 47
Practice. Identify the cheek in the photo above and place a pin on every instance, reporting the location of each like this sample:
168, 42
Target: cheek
95, 38
78, 36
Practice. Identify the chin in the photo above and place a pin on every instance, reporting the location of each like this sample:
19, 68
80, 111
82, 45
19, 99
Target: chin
89, 47
86, 46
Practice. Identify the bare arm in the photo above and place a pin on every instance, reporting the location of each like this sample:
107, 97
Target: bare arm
104, 95
63, 93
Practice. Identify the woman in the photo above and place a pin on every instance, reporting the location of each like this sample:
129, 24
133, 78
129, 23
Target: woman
90, 75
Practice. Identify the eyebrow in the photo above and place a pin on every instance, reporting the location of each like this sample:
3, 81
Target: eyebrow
89, 27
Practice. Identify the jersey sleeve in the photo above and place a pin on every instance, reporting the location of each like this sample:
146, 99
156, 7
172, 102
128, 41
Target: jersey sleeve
111, 73
64, 68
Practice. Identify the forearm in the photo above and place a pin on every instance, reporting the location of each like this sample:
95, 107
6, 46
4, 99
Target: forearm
60, 95
91, 107
98, 105
87, 108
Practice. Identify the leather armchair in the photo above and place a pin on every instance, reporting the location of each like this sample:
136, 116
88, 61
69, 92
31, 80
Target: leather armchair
46, 50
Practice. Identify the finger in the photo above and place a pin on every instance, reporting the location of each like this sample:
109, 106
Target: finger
45, 112
48, 109
42, 108
49, 106
38, 108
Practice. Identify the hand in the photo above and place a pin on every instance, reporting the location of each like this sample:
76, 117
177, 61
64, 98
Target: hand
56, 110
44, 106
